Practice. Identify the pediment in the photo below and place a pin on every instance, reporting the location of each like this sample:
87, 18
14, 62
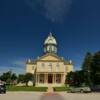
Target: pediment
50, 57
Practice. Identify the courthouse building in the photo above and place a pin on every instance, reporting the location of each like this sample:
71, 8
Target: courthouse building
49, 69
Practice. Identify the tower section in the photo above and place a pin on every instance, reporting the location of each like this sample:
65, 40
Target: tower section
50, 44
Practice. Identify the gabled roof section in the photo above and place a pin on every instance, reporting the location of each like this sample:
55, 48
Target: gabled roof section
50, 57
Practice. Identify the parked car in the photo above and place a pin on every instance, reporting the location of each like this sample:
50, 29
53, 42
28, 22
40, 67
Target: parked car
80, 89
2, 88
95, 88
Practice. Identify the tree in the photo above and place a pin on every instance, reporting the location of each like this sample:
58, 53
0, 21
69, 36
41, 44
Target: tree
28, 77
80, 78
87, 62
87, 69
70, 79
75, 78
96, 68
21, 78
14, 78
6, 77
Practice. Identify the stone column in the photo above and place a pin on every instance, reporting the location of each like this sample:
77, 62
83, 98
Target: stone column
62, 78
44, 78
38, 78
47, 78
55, 78
35, 78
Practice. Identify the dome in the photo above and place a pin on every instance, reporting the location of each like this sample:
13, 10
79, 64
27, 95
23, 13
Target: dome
50, 44
50, 40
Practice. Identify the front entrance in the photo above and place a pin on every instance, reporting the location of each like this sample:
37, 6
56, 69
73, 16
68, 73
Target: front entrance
50, 78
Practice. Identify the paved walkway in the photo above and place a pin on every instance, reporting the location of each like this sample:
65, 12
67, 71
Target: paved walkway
21, 96
50, 89
51, 96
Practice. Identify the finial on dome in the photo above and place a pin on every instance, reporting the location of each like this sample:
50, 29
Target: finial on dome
50, 34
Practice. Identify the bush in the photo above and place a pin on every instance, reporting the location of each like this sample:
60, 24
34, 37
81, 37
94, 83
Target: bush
59, 89
24, 88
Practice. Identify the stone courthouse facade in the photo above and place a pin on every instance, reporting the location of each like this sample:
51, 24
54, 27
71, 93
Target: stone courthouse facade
49, 69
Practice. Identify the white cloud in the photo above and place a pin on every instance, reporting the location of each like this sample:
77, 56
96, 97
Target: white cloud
17, 66
19, 63
54, 10
16, 70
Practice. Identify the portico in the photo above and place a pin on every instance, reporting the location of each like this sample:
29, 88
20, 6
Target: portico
49, 78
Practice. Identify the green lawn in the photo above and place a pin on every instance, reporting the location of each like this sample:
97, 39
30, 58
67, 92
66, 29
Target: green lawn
60, 89
23, 88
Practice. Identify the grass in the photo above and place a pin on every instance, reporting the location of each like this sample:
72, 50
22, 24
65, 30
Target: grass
24, 88
60, 89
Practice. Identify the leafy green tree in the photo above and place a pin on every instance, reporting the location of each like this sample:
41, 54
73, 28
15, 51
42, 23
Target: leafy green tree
70, 79
96, 69
87, 68
28, 77
6, 77
87, 62
21, 78
75, 78
80, 78
13, 77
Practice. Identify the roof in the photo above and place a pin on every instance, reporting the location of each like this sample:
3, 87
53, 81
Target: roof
50, 40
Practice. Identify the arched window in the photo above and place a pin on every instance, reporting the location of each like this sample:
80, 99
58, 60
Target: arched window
42, 65
50, 66
57, 67
32, 67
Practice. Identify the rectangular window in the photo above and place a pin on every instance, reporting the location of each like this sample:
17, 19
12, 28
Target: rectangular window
58, 78
41, 77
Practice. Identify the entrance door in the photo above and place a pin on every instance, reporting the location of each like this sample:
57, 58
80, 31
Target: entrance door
50, 77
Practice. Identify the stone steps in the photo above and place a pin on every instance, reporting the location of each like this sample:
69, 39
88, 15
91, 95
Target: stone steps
50, 89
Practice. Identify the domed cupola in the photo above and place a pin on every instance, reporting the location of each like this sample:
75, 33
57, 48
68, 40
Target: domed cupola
50, 44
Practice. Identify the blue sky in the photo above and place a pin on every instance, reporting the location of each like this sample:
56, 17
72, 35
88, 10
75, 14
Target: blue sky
24, 25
